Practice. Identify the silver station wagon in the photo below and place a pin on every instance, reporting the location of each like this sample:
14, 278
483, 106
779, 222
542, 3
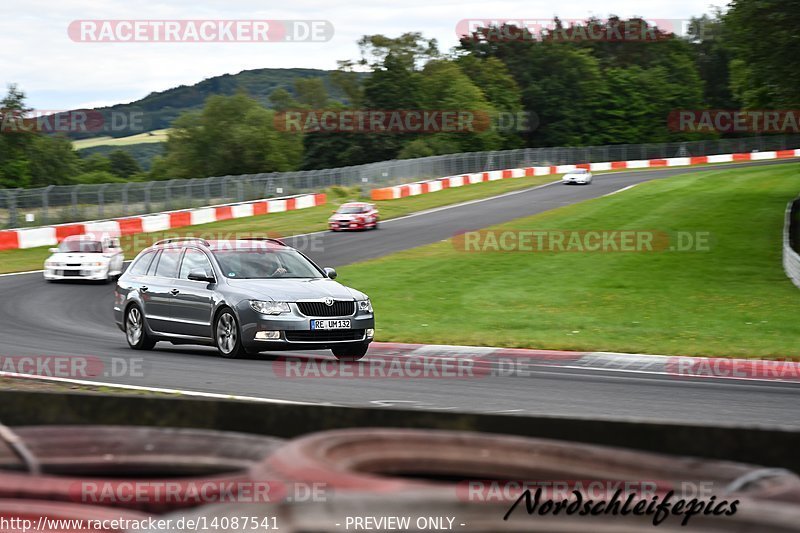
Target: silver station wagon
242, 296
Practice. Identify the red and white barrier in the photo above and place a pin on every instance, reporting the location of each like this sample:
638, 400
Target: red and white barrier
423, 187
52, 235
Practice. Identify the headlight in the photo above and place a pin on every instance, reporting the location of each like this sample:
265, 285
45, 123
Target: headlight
365, 305
269, 308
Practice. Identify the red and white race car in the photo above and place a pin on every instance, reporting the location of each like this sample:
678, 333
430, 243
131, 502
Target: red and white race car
354, 215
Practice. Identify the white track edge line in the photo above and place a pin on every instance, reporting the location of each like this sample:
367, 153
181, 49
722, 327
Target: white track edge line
199, 394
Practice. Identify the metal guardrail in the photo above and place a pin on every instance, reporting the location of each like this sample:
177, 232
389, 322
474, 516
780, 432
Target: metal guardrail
73, 203
791, 242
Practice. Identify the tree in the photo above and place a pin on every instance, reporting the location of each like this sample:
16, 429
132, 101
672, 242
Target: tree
491, 76
713, 56
122, 164
52, 161
15, 140
763, 37
411, 50
349, 82
444, 86
281, 100
311, 92
565, 91
584, 90
231, 135
95, 163
97, 177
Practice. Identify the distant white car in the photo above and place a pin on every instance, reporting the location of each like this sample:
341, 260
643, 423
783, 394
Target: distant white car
86, 257
580, 176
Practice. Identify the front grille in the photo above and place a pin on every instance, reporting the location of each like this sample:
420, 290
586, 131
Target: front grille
339, 308
70, 272
74, 265
332, 335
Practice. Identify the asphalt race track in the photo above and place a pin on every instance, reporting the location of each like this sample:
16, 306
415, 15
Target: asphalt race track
43, 319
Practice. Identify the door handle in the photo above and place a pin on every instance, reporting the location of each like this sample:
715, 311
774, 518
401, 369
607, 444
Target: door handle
143, 289
174, 292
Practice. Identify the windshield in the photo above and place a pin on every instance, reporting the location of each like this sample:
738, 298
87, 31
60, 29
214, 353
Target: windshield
580, 171
265, 264
348, 210
85, 247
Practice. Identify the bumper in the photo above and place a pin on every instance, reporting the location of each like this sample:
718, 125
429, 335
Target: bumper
87, 273
343, 226
295, 331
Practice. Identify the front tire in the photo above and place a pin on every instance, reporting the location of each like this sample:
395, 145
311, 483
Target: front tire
136, 330
227, 336
350, 353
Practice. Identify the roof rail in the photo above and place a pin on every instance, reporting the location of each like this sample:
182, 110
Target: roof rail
183, 239
269, 239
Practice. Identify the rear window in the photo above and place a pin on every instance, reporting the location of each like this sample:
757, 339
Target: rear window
352, 209
168, 263
80, 246
194, 260
139, 268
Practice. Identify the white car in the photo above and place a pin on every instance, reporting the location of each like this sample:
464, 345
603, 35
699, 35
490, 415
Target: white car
579, 175
85, 257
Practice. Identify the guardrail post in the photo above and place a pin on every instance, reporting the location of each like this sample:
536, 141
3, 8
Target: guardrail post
12, 207
46, 204
224, 190
101, 199
125, 190
189, 196
147, 206
168, 194
75, 202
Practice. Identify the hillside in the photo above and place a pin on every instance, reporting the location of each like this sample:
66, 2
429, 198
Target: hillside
161, 108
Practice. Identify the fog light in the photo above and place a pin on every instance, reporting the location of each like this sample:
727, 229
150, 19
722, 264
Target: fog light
268, 335
370, 333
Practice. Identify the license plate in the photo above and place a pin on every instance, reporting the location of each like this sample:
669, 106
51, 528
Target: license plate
330, 324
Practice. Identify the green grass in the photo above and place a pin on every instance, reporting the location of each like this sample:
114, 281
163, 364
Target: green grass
733, 300
290, 223
155, 136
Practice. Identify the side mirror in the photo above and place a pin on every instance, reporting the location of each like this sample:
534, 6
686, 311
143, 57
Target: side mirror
53, 250
330, 272
201, 275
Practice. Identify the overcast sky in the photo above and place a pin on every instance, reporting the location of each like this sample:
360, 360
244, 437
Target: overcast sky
59, 73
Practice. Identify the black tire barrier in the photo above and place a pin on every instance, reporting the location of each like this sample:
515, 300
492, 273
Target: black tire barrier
391, 460
151, 469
